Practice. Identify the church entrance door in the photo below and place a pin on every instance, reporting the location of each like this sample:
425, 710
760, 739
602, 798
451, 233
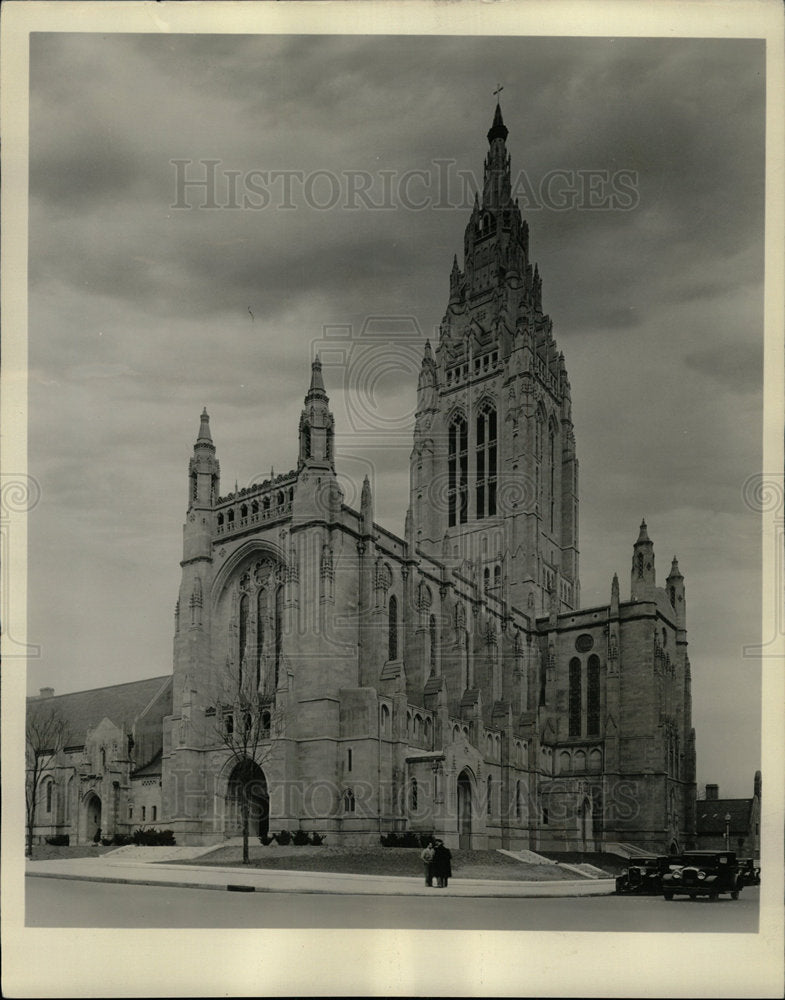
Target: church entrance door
92, 817
248, 783
464, 812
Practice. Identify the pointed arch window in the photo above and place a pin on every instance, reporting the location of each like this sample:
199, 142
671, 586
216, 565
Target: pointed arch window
260, 602
552, 472
392, 626
50, 786
243, 633
575, 698
278, 630
538, 436
489, 794
593, 697
432, 638
458, 471
413, 795
486, 461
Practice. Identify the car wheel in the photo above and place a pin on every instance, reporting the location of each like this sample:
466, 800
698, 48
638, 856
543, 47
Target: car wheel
734, 894
668, 895
713, 895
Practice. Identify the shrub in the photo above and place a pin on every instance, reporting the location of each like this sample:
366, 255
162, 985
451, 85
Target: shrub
426, 838
59, 840
153, 838
107, 841
97, 837
300, 838
266, 839
284, 837
121, 839
408, 839
317, 839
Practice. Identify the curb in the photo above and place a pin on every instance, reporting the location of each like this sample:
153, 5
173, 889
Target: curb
237, 887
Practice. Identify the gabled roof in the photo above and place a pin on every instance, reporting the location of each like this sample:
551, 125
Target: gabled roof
152, 769
121, 704
711, 815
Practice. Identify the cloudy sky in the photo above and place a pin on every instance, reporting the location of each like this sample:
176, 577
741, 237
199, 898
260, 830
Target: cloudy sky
146, 306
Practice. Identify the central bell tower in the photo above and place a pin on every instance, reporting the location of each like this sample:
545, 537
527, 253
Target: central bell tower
493, 470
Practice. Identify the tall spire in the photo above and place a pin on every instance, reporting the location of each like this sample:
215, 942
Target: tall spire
497, 187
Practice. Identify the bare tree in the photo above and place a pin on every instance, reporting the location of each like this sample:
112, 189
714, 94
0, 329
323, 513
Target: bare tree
45, 731
247, 723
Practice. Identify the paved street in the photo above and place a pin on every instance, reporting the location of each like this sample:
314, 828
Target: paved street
74, 903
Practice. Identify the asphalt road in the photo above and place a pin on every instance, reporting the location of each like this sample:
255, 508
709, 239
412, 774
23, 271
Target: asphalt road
73, 903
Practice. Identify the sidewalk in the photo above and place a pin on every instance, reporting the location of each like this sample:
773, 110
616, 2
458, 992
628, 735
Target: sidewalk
118, 869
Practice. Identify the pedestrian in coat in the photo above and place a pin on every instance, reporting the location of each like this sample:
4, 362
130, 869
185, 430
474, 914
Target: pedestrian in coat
427, 859
441, 868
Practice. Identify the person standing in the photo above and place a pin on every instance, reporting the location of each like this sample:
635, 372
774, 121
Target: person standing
427, 858
442, 867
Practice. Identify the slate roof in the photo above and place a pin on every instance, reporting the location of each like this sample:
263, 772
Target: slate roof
153, 769
121, 704
711, 816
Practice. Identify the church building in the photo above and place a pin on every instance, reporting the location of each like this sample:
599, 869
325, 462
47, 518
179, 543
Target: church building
446, 681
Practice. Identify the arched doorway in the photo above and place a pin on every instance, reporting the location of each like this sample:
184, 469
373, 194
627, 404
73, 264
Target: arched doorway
464, 811
674, 848
247, 783
92, 816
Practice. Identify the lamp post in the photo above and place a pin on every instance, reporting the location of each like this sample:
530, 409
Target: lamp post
727, 831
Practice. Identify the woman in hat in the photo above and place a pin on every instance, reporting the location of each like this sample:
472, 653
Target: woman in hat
427, 859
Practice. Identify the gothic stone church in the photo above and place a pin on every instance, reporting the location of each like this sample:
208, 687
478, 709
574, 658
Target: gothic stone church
446, 681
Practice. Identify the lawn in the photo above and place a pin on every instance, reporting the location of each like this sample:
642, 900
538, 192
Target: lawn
393, 861
46, 852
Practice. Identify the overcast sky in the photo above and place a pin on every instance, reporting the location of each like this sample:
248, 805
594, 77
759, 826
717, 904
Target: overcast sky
142, 312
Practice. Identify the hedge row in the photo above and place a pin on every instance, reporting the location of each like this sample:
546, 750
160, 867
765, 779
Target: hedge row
299, 838
408, 839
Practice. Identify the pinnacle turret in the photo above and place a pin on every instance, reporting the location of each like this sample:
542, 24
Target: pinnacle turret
643, 577
203, 468
317, 382
204, 429
674, 573
316, 423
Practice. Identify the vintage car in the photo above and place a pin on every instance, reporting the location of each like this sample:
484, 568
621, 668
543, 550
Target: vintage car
749, 871
643, 876
703, 873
